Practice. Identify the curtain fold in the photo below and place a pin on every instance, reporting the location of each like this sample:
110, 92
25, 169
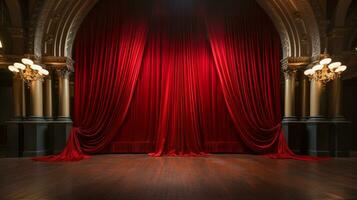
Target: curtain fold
246, 57
108, 58
171, 78
182, 56
178, 106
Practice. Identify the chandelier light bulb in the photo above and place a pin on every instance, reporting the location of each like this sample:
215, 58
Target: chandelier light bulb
28, 71
19, 66
325, 61
334, 65
27, 61
44, 72
341, 68
309, 72
12, 68
325, 71
317, 67
36, 67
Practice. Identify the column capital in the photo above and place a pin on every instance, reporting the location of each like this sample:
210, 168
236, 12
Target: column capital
288, 73
58, 62
63, 73
290, 65
295, 63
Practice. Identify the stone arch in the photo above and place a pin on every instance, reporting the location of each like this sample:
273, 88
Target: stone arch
59, 21
57, 24
297, 26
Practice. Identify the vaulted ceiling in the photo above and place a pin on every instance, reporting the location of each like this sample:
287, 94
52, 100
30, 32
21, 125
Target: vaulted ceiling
47, 28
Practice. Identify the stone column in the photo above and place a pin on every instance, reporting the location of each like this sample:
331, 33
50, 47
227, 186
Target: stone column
19, 97
289, 98
335, 110
304, 95
317, 90
64, 95
48, 97
36, 99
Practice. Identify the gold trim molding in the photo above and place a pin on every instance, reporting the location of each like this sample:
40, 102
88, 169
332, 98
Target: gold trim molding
294, 63
57, 62
52, 62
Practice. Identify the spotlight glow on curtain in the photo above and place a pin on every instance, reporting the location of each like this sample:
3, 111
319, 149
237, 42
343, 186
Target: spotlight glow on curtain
182, 79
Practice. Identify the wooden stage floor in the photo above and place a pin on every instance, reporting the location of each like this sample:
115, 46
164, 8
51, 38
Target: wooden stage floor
139, 177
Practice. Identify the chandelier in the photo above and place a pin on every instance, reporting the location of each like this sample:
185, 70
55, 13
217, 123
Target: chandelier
325, 70
28, 71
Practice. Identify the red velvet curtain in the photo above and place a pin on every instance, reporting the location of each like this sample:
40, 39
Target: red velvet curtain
108, 59
178, 107
171, 78
247, 56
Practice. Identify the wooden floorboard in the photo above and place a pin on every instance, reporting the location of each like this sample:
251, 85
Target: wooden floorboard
221, 177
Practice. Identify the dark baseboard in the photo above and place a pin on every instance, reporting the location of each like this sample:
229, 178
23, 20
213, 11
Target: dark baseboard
319, 137
36, 153
28, 138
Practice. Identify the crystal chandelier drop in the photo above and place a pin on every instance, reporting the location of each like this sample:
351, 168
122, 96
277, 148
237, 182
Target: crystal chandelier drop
28, 71
325, 70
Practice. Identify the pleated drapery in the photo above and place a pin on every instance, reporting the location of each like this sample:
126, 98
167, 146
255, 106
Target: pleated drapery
176, 78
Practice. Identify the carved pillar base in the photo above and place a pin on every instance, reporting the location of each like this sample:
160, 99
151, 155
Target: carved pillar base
295, 135
14, 136
319, 138
36, 139
326, 138
61, 131
290, 119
